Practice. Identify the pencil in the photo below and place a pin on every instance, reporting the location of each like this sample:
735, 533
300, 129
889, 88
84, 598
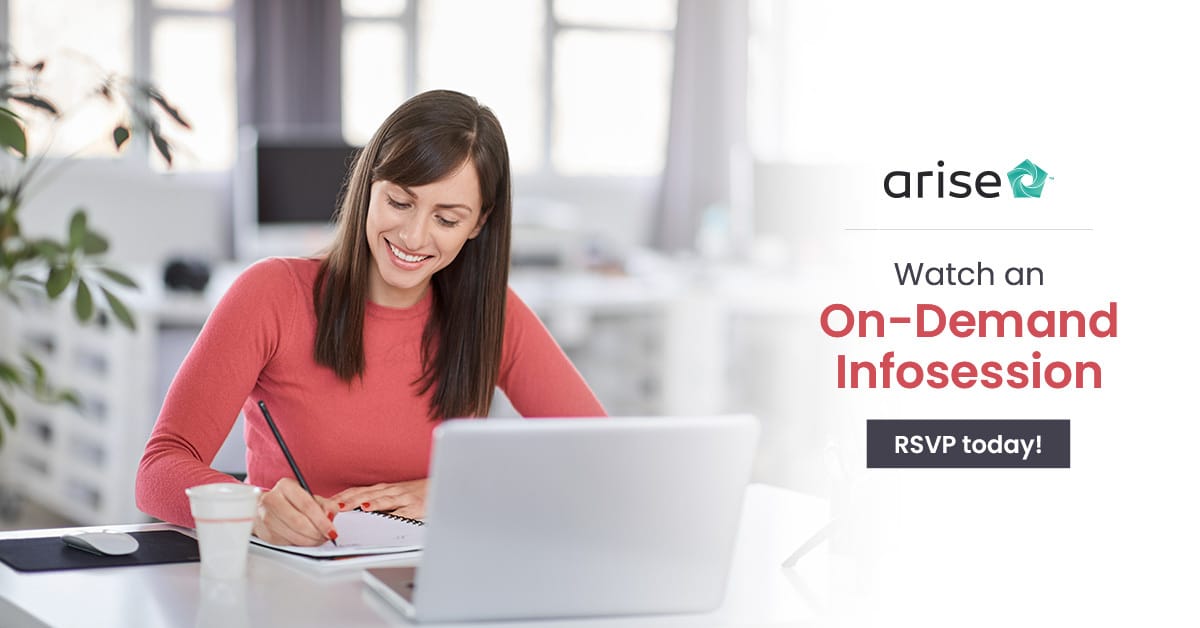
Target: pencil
262, 405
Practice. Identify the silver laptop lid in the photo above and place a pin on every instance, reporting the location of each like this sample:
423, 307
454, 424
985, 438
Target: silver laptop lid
582, 517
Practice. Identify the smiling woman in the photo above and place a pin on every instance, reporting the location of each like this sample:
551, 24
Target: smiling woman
412, 235
436, 155
406, 320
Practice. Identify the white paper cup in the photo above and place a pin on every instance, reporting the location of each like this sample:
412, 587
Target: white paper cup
222, 604
224, 514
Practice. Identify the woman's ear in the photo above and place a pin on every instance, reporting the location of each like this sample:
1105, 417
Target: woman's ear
479, 226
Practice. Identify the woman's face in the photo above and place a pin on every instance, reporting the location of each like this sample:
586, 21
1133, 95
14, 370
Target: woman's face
413, 232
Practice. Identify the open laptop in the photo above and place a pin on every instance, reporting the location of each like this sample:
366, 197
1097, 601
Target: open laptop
544, 518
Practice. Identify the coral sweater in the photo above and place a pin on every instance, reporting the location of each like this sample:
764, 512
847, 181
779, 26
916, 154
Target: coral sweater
258, 344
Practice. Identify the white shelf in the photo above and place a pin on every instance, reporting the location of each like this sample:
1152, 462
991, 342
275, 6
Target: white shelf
81, 463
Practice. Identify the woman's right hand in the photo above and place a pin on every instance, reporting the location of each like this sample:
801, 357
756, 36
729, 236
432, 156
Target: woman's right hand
289, 515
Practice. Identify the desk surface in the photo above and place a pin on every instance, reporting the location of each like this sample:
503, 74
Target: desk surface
278, 592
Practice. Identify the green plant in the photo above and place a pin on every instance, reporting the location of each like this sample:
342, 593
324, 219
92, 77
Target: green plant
50, 266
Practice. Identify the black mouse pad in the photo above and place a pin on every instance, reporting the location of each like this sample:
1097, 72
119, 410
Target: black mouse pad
50, 553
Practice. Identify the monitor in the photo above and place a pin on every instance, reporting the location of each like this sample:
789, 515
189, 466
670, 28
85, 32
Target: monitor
286, 191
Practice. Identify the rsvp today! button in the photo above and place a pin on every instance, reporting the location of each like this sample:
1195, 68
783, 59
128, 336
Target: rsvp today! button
957, 444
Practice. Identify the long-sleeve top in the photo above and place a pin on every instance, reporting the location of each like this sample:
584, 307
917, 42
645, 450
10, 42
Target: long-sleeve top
258, 345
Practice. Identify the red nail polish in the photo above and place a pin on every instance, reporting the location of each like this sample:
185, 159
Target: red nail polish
341, 505
331, 516
366, 505
333, 535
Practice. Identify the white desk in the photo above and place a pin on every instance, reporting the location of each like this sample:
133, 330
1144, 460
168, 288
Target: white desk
278, 593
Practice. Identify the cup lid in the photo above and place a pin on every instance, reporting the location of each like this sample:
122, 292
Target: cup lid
223, 490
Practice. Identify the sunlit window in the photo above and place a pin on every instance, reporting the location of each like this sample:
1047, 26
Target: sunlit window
373, 8
200, 85
82, 42
611, 94
583, 91
581, 87
781, 44
650, 14
195, 5
505, 73
373, 76
203, 86
611, 86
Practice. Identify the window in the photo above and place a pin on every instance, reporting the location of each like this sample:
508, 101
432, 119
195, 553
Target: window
582, 88
611, 95
375, 64
611, 86
202, 85
83, 42
80, 43
509, 78
788, 44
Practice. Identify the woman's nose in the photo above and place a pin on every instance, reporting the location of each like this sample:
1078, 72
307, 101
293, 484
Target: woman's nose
413, 234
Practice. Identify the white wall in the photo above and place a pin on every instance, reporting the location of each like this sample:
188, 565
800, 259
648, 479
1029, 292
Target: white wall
620, 209
147, 216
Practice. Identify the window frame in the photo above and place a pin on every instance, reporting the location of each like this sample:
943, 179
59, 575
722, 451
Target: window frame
554, 27
409, 18
145, 15
625, 201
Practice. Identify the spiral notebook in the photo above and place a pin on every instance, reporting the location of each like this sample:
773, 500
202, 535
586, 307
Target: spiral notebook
361, 532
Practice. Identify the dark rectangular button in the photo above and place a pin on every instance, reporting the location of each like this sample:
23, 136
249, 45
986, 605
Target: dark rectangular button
963, 443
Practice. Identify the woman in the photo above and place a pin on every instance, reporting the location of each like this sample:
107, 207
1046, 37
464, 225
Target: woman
406, 320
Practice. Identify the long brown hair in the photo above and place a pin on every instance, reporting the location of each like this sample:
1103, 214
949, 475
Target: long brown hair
425, 140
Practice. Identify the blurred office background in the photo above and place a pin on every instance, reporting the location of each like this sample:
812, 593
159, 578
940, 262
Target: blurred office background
660, 186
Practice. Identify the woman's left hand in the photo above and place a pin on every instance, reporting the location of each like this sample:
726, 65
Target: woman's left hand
402, 498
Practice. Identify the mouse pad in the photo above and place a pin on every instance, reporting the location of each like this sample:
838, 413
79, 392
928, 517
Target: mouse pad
50, 553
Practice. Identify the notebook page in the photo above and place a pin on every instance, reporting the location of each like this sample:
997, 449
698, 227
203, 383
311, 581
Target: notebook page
362, 532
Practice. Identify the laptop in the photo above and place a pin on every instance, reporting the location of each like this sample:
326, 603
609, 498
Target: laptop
557, 518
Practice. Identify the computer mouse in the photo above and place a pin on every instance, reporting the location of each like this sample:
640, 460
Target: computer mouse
103, 543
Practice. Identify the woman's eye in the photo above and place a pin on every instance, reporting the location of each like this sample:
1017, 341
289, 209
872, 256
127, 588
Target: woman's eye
398, 204
446, 223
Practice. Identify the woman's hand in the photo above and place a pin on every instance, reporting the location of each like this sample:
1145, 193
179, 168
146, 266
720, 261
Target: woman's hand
402, 498
289, 515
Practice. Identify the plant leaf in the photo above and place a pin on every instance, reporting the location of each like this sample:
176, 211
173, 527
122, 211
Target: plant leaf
78, 230
120, 134
21, 254
161, 144
10, 415
119, 310
11, 134
83, 302
10, 374
40, 103
120, 278
39, 371
60, 277
158, 99
94, 243
71, 397
48, 249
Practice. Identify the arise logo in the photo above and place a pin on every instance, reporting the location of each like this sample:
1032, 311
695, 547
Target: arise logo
1026, 180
